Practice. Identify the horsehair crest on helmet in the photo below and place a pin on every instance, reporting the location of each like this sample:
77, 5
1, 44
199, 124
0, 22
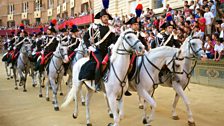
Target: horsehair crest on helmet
105, 4
138, 10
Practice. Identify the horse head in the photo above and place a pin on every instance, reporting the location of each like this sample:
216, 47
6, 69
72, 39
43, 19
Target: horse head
27, 47
82, 50
130, 43
193, 47
62, 52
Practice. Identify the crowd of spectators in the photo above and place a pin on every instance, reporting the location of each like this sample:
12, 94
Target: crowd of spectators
204, 17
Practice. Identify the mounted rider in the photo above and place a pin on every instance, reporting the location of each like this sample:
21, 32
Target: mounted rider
73, 42
49, 46
98, 38
17, 43
166, 38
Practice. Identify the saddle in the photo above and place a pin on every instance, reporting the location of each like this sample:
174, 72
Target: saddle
88, 69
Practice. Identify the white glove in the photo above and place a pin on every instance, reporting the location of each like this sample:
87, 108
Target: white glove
42, 51
111, 46
14, 48
91, 48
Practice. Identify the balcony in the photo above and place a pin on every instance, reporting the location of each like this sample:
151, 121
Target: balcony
64, 7
10, 17
24, 16
58, 9
49, 12
37, 14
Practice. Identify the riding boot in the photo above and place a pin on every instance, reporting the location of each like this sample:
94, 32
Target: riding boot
127, 93
97, 80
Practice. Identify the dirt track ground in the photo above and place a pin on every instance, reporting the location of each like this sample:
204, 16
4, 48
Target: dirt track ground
27, 109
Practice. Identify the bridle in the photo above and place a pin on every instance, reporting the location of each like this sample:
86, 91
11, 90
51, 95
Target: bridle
195, 52
124, 51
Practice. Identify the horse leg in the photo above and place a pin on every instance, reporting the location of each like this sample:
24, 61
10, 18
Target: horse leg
141, 102
60, 89
47, 90
89, 95
120, 107
21, 77
55, 90
24, 82
76, 90
82, 97
178, 88
7, 72
113, 105
40, 88
14, 73
33, 73
108, 107
174, 114
147, 97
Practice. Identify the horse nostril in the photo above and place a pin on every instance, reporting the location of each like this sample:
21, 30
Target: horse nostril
177, 65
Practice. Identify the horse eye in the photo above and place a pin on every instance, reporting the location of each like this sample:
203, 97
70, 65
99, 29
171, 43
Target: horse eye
128, 37
193, 44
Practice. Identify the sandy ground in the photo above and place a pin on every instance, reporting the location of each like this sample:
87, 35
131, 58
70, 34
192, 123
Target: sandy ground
18, 108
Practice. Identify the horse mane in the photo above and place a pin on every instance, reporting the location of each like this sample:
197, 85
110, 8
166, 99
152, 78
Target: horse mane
115, 47
157, 51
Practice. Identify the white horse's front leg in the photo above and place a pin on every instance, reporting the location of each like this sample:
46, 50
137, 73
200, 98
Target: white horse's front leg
7, 71
47, 90
174, 113
144, 94
15, 78
24, 82
113, 105
141, 102
89, 95
121, 110
54, 86
108, 107
40, 88
178, 88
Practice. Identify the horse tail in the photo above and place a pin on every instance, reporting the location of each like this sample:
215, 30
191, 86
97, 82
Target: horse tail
69, 97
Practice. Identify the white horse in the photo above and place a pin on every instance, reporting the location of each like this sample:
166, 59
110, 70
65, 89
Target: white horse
7, 68
148, 68
56, 71
23, 63
190, 48
116, 85
80, 52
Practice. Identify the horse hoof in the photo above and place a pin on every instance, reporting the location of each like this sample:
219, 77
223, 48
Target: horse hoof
89, 124
61, 94
53, 102
83, 103
66, 83
56, 108
74, 117
24, 90
50, 88
175, 118
7, 78
11, 77
144, 121
42, 86
191, 123
111, 115
16, 88
141, 107
40, 95
17, 80
47, 99
34, 85
110, 124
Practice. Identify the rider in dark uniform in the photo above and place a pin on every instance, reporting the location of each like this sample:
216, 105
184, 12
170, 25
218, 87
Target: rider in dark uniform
96, 33
166, 38
49, 46
73, 43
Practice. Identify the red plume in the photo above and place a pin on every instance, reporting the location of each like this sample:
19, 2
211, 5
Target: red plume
139, 7
54, 21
